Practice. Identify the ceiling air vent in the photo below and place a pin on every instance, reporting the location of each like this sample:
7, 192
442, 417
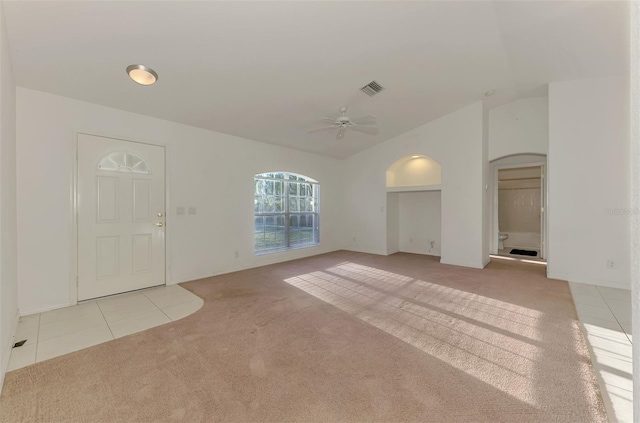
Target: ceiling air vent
372, 88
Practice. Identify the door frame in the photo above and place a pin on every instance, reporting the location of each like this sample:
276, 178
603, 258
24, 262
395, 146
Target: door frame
495, 229
73, 215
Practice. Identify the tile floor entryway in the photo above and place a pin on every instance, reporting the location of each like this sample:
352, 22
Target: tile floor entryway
69, 329
605, 315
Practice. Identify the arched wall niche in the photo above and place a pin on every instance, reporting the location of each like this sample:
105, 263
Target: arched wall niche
414, 205
414, 170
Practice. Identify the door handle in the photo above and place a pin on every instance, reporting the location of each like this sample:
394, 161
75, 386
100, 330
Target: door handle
159, 224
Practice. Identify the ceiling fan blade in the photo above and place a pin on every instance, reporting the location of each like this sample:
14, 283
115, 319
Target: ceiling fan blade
366, 129
324, 128
327, 119
341, 132
366, 120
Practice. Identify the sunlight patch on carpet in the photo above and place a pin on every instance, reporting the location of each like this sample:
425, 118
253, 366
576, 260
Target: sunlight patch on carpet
492, 340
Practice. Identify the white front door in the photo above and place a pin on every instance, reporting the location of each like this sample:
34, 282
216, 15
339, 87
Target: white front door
121, 218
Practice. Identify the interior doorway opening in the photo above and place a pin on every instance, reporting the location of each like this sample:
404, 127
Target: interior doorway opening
519, 207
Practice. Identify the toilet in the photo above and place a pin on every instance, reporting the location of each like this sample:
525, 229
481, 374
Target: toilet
501, 237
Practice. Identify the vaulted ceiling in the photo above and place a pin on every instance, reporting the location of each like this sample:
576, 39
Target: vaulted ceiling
267, 70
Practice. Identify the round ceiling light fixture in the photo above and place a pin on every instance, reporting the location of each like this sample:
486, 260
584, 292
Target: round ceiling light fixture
141, 74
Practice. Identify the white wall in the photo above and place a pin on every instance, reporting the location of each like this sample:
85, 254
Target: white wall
455, 141
211, 171
486, 193
8, 248
393, 222
635, 198
420, 222
519, 127
515, 129
588, 185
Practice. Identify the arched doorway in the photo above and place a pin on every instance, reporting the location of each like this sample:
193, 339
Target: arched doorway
518, 206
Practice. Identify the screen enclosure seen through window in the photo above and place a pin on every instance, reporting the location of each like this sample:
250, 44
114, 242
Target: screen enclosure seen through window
286, 211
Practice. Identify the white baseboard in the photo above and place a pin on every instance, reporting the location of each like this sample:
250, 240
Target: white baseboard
422, 253
559, 276
7, 354
177, 280
191, 278
359, 250
587, 281
463, 264
188, 278
48, 307
599, 282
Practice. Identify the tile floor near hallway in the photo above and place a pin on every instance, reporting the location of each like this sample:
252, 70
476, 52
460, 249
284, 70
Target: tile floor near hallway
69, 329
605, 315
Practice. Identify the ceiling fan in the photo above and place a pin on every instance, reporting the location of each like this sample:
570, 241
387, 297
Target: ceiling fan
344, 122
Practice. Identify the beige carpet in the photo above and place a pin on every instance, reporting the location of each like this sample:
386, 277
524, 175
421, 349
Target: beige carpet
336, 338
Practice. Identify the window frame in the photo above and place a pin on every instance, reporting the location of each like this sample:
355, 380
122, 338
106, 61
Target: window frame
287, 213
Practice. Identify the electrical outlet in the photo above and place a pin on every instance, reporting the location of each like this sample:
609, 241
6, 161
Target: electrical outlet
410, 240
192, 210
237, 254
180, 210
354, 239
611, 264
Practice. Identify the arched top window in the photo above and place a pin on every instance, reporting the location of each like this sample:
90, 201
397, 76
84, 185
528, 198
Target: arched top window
123, 161
286, 175
286, 211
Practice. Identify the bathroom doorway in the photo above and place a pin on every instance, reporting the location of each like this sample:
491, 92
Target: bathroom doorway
519, 203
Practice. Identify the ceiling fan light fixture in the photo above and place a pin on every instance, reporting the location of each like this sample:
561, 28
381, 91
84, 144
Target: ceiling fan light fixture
142, 74
415, 157
344, 123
